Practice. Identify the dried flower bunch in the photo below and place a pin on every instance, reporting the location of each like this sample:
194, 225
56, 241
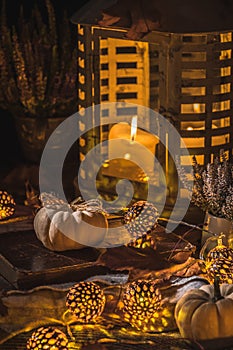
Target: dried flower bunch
213, 186
37, 65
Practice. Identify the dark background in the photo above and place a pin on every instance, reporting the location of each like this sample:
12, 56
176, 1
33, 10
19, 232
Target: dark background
13, 6
9, 146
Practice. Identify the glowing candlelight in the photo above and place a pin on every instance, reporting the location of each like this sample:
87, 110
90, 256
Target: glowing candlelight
196, 107
134, 145
131, 137
134, 124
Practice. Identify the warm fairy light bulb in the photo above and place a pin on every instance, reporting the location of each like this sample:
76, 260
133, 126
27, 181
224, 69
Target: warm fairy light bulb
141, 301
140, 218
219, 262
145, 241
7, 205
45, 338
86, 301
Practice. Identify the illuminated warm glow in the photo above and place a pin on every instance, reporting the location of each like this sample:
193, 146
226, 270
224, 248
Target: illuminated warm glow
86, 301
47, 338
134, 124
196, 107
7, 205
141, 303
127, 156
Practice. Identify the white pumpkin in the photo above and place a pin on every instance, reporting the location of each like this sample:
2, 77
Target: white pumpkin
61, 230
200, 315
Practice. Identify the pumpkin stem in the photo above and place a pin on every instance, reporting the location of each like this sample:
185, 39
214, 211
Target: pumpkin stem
217, 292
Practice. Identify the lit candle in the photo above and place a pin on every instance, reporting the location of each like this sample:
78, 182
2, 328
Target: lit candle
134, 144
134, 125
130, 136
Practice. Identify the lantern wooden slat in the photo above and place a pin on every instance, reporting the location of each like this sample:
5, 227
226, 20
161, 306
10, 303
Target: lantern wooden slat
186, 76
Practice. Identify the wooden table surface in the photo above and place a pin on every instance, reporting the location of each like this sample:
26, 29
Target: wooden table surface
28, 267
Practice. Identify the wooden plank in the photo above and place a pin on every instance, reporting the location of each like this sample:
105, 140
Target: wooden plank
216, 46
132, 100
120, 57
203, 82
202, 133
21, 220
130, 88
25, 263
191, 117
202, 65
112, 58
207, 98
131, 72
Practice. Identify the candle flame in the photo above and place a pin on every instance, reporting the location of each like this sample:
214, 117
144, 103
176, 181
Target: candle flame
134, 124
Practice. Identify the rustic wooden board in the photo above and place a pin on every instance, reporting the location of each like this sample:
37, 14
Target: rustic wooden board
25, 262
22, 220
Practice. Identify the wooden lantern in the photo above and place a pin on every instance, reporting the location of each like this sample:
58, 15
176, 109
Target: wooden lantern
184, 74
